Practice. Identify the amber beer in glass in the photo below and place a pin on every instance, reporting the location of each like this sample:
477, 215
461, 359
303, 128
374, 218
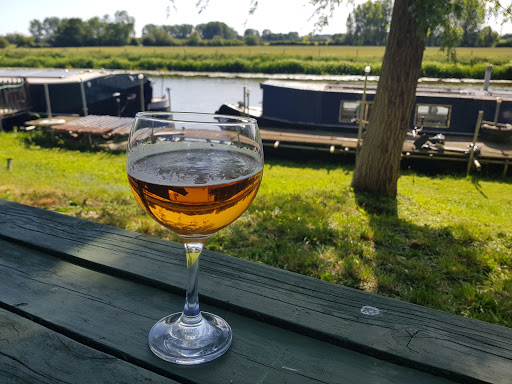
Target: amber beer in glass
194, 174
196, 208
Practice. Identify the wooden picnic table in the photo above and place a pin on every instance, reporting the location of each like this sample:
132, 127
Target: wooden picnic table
77, 300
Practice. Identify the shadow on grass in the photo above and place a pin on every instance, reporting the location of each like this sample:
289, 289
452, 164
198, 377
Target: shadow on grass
445, 267
476, 182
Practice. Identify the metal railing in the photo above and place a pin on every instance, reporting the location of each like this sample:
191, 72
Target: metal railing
13, 96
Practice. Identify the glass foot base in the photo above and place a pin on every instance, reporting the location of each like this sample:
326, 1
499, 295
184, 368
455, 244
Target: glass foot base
186, 340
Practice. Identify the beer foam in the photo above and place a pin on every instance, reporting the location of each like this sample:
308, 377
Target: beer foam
192, 163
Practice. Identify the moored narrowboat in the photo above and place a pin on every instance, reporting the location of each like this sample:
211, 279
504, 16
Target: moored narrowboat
83, 92
337, 107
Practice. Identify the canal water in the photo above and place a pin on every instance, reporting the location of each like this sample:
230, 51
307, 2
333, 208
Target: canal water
206, 94
194, 94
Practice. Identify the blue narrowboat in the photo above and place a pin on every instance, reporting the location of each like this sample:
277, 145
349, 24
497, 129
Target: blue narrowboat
337, 107
82, 92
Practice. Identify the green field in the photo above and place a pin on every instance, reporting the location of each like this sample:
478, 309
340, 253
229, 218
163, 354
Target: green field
332, 60
353, 52
445, 242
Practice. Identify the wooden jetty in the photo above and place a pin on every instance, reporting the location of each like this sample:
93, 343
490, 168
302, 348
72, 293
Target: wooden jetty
113, 132
456, 148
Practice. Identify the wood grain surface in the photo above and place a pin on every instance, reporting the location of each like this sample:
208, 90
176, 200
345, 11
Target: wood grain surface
454, 347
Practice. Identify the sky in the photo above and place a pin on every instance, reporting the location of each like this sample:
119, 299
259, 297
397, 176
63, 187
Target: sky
279, 16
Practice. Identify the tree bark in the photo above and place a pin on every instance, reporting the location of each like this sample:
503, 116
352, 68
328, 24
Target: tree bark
378, 164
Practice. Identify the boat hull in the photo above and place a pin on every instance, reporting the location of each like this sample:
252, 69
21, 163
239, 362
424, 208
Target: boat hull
337, 108
75, 92
100, 94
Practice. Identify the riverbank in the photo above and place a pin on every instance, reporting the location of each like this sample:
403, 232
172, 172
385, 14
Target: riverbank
282, 60
320, 78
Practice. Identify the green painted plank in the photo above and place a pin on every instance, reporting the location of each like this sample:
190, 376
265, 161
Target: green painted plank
31, 353
419, 337
114, 315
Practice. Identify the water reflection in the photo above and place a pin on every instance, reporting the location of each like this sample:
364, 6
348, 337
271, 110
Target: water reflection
205, 94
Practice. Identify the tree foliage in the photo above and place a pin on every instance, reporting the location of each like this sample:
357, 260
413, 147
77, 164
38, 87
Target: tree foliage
155, 35
251, 32
449, 23
181, 31
369, 22
75, 32
267, 35
4, 43
70, 33
251, 40
19, 40
212, 29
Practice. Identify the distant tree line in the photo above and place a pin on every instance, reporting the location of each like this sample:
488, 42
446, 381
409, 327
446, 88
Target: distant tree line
74, 32
212, 33
368, 24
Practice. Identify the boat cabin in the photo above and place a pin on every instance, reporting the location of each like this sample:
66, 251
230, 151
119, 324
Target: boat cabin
337, 107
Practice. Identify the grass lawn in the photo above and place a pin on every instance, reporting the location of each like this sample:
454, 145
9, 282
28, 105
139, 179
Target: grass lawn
445, 242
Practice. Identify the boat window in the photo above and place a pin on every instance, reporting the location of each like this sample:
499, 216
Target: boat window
434, 115
349, 111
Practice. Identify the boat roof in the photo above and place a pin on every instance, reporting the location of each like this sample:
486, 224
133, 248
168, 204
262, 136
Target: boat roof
52, 76
422, 90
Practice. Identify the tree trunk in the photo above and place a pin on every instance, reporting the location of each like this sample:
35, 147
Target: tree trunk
378, 164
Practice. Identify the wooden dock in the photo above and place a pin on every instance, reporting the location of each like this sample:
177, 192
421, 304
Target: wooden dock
77, 300
456, 148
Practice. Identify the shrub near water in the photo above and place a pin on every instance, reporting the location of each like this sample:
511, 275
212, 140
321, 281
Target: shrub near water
475, 71
301, 60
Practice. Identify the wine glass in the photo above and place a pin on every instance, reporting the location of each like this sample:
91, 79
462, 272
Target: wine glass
193, 173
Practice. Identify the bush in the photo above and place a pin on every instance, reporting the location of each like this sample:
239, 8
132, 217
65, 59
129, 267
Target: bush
114, 63
158, 39
3, 42
288, 42
505, 43
20, 40
252, 40
502, 72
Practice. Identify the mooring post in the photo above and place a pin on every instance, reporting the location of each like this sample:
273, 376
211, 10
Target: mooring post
48, 102
362, 112
245, 101
169, 98
141, 78
487, 77
497, 112
248, 94
84, 100
475, 137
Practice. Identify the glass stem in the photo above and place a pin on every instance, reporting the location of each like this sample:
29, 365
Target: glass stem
191, 313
